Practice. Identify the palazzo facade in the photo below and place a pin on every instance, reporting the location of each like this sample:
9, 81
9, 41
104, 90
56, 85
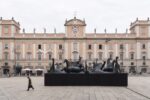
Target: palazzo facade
35, 50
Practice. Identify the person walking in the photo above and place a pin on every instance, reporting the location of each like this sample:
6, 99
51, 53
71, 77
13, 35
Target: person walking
29, 84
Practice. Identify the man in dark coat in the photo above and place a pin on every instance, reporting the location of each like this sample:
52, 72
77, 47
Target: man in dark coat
29, 84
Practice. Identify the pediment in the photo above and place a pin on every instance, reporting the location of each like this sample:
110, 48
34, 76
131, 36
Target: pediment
75, 21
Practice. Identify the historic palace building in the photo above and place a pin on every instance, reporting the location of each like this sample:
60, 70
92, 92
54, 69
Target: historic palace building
35, 50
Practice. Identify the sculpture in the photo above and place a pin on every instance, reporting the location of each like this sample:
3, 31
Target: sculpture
74, 68
77, 67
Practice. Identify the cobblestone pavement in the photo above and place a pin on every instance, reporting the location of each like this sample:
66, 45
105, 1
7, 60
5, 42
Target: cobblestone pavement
14, 88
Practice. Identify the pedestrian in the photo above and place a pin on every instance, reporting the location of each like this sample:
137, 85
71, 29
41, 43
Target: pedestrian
29, 84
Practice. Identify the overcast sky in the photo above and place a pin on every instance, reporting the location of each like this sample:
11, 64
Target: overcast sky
53, 13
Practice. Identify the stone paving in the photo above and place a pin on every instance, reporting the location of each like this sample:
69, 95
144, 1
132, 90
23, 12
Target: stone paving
14, 88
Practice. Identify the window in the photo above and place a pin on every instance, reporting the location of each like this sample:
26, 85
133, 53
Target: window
132, 55
39, 46
39, 56
6, 55
132, 63
89, 55
6, 46
60, 47
89, 46
100, 46
144, 63
50, 56
75, 46
60, 56
29, 57
143, 46
121, 46
144, 57
6, 64
111, 55
121, 55
100, 55
6, 29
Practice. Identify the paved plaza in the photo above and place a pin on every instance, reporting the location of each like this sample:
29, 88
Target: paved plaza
14, 88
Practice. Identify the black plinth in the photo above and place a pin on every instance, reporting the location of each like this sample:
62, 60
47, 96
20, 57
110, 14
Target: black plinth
94, 79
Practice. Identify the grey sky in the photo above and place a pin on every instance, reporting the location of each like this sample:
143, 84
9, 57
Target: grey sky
97, 13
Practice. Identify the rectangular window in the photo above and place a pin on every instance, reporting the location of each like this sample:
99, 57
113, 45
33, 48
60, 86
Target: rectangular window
39, 46
60, 47
132, 63
89, 46
144, 63
144, 57
6, 29
143, 46
60, 56
6, 46
75, 46
50, 56
111, 55
6, 55
132, 55
121, 46
121, 55
89, 55
100, 46
39, 57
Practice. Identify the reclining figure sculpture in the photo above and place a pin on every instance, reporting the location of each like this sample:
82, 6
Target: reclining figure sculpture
111, 67
77, 67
